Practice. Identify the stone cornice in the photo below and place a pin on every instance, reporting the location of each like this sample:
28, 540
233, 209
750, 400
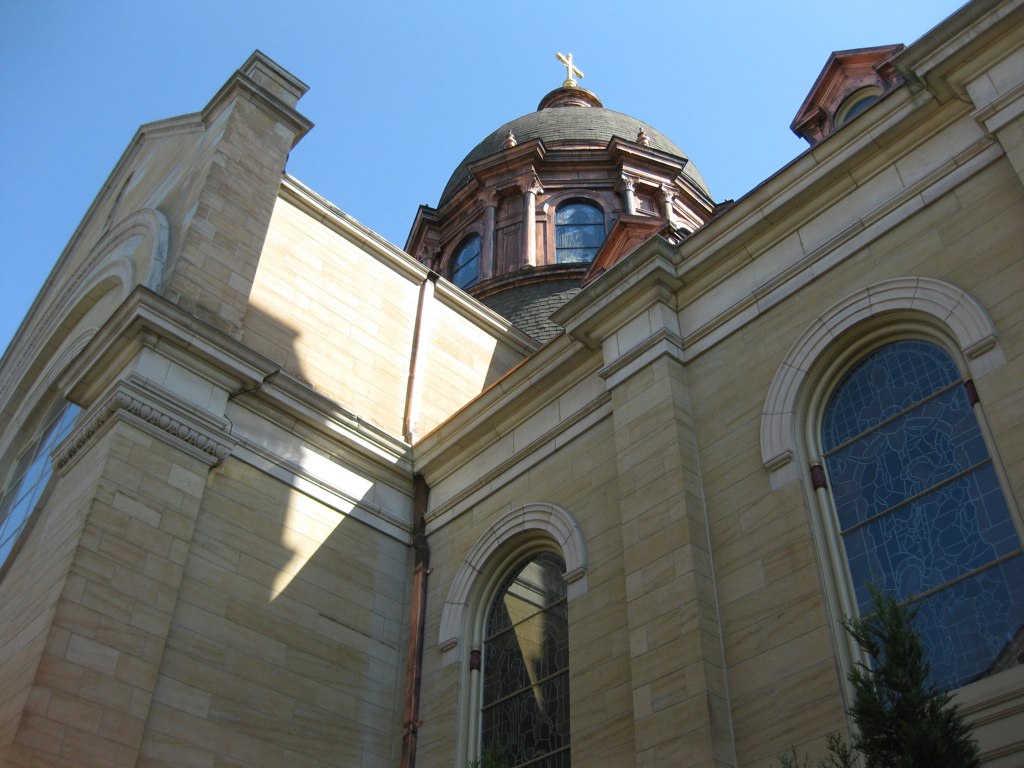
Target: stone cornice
538, 381
145, 319
281, 394
650, 271
965, 40
157, 413
244, 83
521, 460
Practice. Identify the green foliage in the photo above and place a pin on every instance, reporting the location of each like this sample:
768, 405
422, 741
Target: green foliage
902, 720
839, 755
493, 756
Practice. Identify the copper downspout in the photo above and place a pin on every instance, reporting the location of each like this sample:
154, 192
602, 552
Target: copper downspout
417, 617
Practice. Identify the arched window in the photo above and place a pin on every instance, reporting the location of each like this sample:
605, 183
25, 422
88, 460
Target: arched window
30, 475
856, 103
464, 267
919, 508
579, 232
524, 714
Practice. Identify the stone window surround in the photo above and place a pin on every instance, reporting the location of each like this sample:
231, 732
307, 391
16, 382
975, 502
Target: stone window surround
533, 527
956, 318
517, 534
903, 307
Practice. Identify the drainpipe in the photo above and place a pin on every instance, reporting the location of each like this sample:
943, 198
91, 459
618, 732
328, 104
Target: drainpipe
417, 357
417, 619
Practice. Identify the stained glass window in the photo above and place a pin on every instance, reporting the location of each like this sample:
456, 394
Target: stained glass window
28, 480
579, 232
920, 509
525, 713
465, 265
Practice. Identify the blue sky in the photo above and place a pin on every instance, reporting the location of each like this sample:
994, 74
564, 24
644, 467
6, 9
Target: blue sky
399, 91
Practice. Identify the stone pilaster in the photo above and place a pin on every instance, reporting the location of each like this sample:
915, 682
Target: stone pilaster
627, 186
680, 706
530, 186
487, 266
253, 126
131, 478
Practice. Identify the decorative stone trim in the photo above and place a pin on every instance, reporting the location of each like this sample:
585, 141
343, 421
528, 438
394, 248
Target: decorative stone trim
147, 410
101, 265
548, 520
963, 317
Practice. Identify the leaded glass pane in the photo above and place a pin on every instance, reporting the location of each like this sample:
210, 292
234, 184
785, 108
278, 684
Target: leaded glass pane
884, 383
905, 456
975, 627
525, 666
465, 266
579, 213
579, 232
936, 539
30, 479
920, 508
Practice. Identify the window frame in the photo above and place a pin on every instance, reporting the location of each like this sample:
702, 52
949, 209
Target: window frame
849, 351
511, 555
45, 416
586, 202
454, 267
517, 559
854, 100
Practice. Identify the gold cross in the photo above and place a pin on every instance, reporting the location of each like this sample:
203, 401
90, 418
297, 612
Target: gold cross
570, 70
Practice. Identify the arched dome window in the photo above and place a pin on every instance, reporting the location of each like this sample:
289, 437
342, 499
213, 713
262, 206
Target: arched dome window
579, 232
464, 267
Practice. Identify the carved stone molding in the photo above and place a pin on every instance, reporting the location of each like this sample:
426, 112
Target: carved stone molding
537, 519
104, 264
953, 310
489, 197
530, 182
152, 412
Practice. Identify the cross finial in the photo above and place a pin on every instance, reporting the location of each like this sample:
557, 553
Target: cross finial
570, 70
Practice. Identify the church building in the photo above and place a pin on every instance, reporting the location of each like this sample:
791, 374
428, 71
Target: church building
589, 473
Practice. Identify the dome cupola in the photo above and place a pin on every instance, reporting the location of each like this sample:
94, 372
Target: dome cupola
527, 210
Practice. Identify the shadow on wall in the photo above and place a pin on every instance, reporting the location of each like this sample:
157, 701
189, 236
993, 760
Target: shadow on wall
287, 638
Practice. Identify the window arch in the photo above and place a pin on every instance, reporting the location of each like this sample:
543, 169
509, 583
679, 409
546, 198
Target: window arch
464, 267
29, 477
856, 103
914, 499
579, 232
524, 670
535, 543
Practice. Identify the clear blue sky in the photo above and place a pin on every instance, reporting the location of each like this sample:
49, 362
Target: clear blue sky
399, 91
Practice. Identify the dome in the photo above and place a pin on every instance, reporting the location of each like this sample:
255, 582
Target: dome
563, 122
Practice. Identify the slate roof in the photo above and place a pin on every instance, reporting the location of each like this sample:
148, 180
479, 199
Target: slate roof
561, 124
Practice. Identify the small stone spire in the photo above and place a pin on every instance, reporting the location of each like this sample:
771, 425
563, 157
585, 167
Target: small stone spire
509, 141
643, 139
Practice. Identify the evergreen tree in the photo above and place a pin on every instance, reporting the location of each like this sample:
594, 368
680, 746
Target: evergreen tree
902, 720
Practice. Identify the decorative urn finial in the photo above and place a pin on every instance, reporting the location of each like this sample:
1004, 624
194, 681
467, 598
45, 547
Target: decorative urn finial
509, 141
